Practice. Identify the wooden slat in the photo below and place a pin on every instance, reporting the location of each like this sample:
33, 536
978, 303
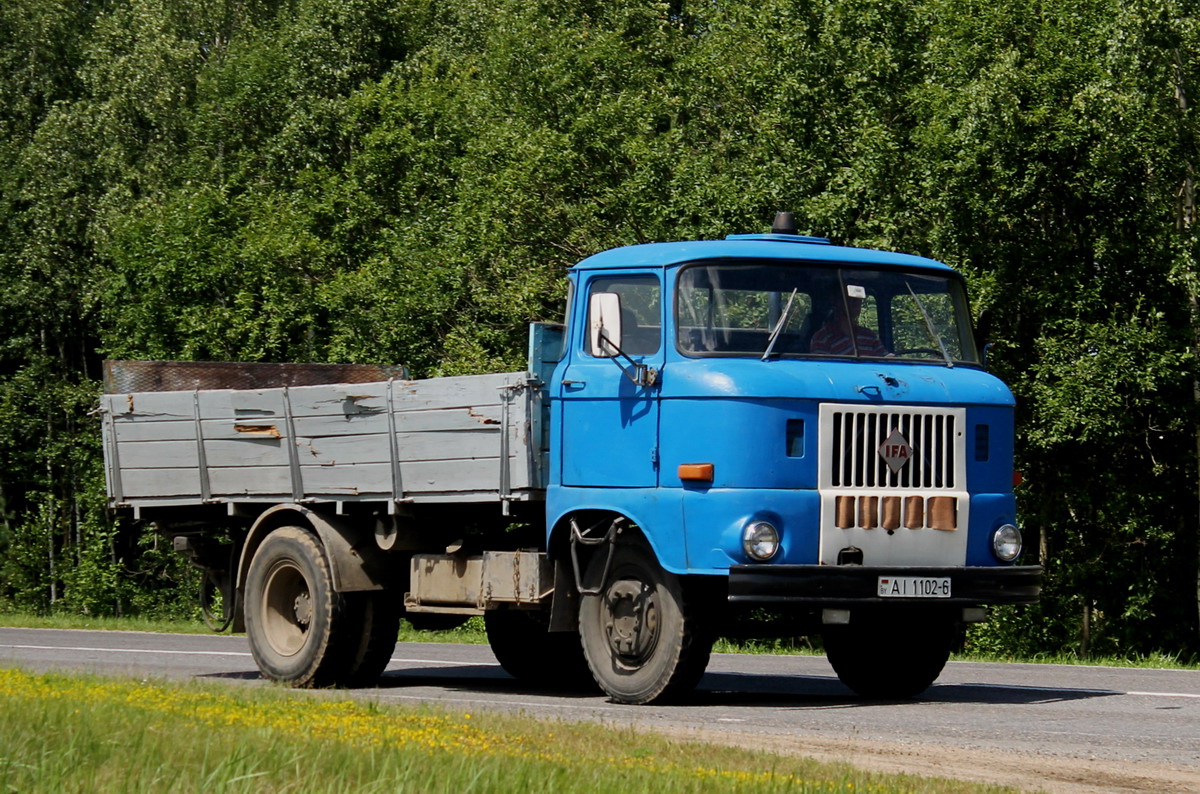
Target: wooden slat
129, 431
473, 476
345, 400
251, 481
152, 406
159, 455
353, 425
331, 451
479, 444
472, 418
160, 483
242, 404
254, 450
458, 475
459, 392
309, 427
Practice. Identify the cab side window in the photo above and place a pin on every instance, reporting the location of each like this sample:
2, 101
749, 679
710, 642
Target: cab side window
641, 311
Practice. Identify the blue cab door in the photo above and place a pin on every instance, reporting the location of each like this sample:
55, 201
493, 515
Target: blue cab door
609, 423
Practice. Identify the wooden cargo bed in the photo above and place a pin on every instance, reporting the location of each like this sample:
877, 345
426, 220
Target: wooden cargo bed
469, 439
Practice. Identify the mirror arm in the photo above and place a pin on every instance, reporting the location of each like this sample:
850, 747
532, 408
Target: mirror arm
642, 375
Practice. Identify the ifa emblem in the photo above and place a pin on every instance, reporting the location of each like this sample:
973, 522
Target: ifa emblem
895, 451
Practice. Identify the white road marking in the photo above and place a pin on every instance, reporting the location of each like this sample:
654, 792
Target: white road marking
1162, 694
124, 650
444, 662
1075, 691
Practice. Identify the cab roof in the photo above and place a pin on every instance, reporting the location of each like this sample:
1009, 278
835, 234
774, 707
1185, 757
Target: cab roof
757, 247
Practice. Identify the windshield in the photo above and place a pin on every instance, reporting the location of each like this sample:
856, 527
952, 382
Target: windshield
770, 310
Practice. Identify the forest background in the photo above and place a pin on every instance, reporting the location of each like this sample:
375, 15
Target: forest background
406, 181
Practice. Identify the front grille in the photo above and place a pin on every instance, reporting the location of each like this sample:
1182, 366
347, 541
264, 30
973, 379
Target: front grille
854, 435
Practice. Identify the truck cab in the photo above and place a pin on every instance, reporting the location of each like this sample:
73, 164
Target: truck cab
784, 424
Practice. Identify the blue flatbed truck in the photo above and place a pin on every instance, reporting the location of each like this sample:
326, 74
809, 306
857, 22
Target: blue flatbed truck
767, 435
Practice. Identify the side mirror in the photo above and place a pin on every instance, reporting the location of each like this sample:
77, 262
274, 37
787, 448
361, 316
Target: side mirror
604, 324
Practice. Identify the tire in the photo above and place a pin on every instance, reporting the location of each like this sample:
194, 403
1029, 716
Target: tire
292, 612
532, 654
890, 655
640, 639
375, 624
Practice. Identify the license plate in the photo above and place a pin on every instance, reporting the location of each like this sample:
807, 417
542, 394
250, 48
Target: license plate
914, 586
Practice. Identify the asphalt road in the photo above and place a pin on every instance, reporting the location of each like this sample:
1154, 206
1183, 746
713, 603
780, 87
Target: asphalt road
1081, 728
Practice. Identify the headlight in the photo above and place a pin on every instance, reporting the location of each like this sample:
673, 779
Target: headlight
1006, 543
760, 540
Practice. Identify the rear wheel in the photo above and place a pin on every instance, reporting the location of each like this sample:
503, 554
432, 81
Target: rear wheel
374, 623
640, 639
888, 654
531, 653
292, 611
304, 633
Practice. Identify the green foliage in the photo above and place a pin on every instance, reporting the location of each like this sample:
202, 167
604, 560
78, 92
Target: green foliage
402, 181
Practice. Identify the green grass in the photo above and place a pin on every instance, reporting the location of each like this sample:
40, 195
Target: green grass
1157, 661
802, 646
24, 620
82, 733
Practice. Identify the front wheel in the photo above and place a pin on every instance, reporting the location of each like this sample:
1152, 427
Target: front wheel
890, 655
638, 634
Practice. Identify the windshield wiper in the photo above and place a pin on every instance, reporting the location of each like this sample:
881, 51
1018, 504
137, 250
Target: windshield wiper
933, 334
778, 329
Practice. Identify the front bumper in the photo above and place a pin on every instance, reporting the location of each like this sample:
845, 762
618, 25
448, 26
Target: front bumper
857, 585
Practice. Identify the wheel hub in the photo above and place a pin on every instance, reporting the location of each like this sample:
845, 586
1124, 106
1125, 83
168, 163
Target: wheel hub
303, 609
631, 619
287, 608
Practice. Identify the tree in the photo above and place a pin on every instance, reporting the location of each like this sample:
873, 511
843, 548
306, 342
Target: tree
402, 181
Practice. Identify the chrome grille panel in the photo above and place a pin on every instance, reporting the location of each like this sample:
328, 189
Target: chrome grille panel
851, 436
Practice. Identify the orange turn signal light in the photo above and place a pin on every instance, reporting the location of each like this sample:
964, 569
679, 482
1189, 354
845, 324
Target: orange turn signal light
696, 472
1018, 478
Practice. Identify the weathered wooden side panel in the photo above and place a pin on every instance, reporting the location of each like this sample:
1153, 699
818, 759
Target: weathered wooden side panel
468, 438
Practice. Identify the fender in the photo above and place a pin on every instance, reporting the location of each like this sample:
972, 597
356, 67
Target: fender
652, 510
564, 604
355, 563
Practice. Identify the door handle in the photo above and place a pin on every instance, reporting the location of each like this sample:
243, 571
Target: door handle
574, 384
